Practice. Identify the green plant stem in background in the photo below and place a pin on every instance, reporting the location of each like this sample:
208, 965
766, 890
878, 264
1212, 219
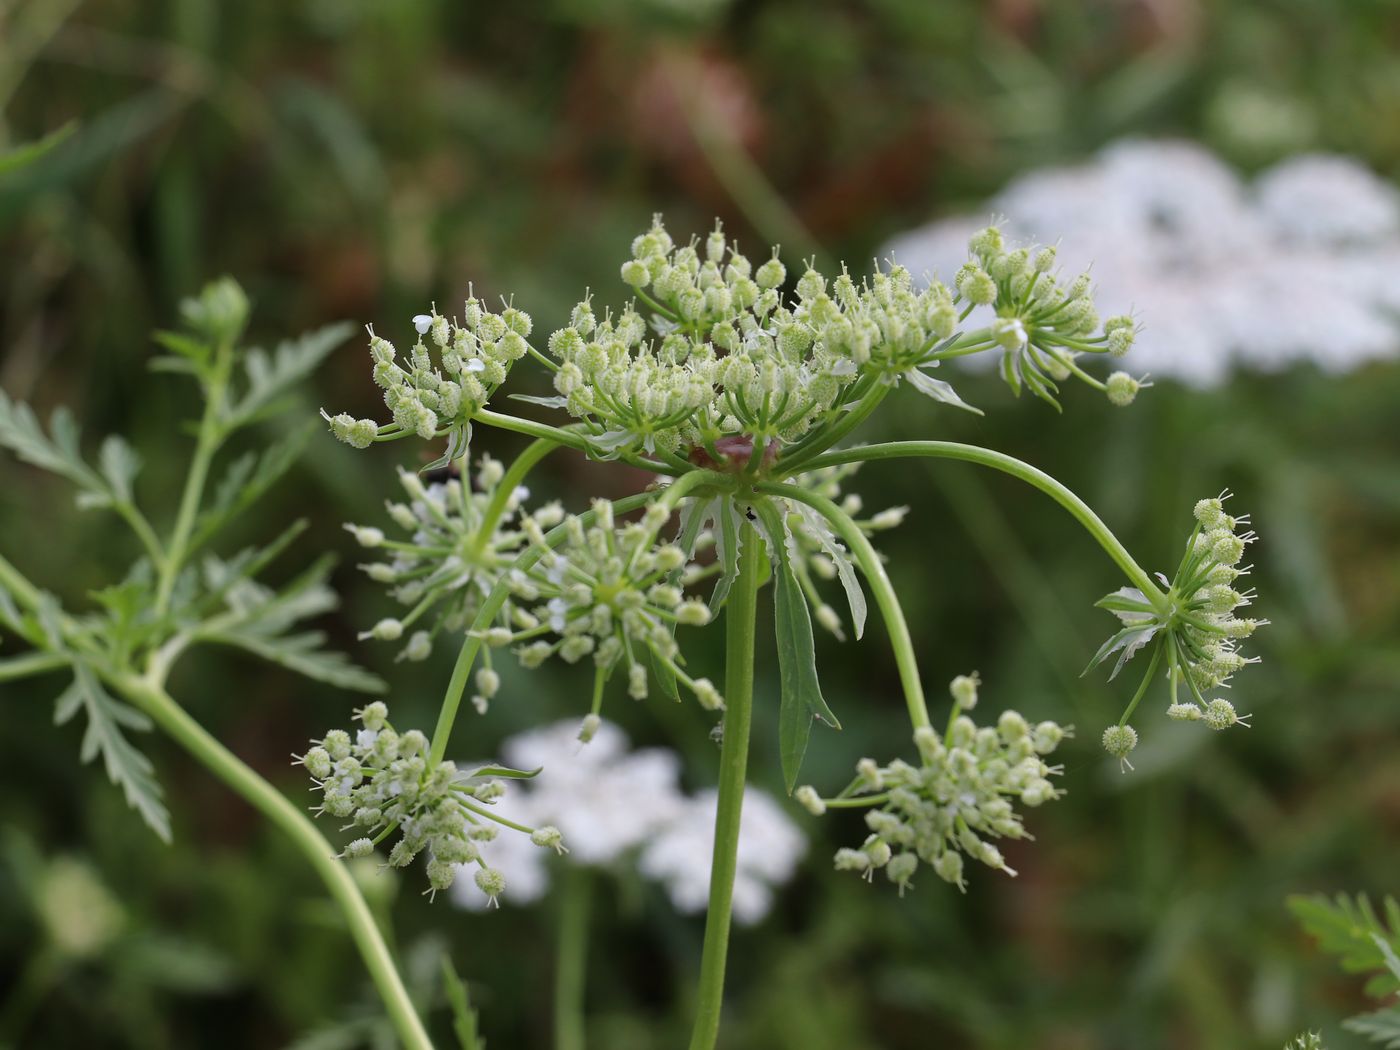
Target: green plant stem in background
1082, 512
152, 698
880, 585
571, 958
740, 617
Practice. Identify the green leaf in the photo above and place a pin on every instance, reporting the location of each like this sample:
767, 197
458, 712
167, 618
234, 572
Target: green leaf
27, 153
464, 1018
22, 434
727, 543
126, 766
1381, 1027
259, 617
1129, 640
505, 771
303, 654
247, 480
802, 700
818, 528
1349, 928
120, 465
270, 377
459, 440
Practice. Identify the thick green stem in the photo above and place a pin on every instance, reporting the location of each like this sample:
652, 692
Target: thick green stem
1016, 468
880, 586
740, 615
571, 959
152, 698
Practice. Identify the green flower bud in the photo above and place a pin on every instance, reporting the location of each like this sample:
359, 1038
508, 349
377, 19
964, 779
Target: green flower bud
490, 882
964, 690
806, 796
709, 697
771, 274
1119, 741
318, 762
548, 837
1122, 388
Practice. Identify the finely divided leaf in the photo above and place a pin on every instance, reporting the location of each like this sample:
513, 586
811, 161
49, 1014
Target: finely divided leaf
126, 766
260, 617
464, 1019
22, 434
246, 480
303, 654
1381, 1027
270, 376
1350, 928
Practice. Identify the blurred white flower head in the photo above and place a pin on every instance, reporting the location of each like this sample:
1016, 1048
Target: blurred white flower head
1298, 265
612, 805
770, 846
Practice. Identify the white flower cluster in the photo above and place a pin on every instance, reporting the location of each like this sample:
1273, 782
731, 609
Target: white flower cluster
618, 806
611, 592
460, 540
385, 782
1196, 624
429, 398
1298, 265
955, 801
736, 369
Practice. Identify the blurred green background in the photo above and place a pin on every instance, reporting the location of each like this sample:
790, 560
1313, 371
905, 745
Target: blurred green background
358, 159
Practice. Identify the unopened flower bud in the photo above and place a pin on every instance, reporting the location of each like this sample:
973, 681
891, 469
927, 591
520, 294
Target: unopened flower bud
806, 796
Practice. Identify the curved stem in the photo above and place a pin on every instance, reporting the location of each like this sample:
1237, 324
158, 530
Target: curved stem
802, 454
571, 959
1033, 476
152, 698
740, 614
567, 437
880, 586
524, 463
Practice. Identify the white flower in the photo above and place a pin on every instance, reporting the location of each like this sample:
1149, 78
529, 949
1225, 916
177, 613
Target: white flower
1297, 266
770, 846
604, 799
421, 323
612, 805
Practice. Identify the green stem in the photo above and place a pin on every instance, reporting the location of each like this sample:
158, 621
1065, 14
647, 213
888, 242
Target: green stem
519, 470
1018, 469
740, 615
880, 586
147, 535
152, 698
207, 444
571, 959
27, 664
569, 438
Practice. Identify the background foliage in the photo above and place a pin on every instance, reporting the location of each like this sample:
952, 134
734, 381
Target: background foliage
355, 160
